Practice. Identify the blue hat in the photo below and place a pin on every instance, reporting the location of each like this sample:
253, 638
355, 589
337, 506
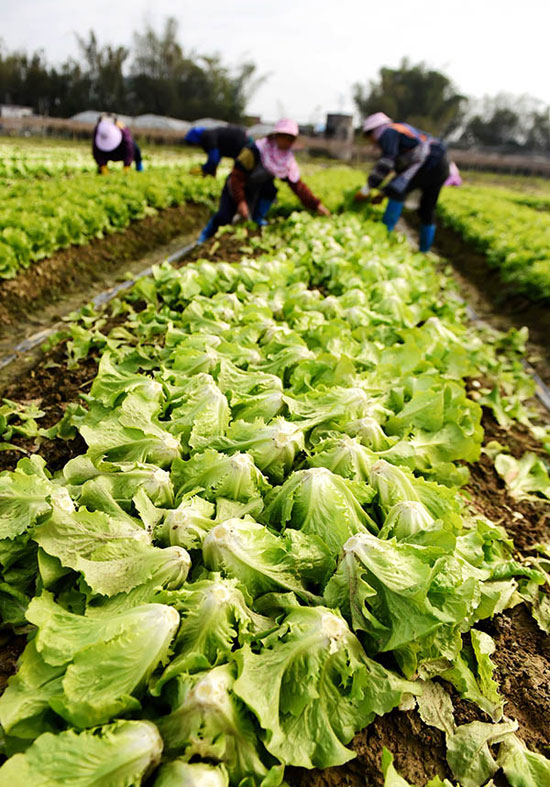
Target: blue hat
193, 136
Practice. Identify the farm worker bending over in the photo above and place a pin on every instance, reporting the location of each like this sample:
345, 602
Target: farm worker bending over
112, 141
249, 190
217, 143
419, 162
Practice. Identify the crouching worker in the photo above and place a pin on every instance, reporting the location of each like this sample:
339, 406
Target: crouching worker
112, 141
217, 143
418, 160
249, 190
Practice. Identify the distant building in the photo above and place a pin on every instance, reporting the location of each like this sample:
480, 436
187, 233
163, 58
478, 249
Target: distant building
15, 111
91, 116
209, 123
160, 122
340, 127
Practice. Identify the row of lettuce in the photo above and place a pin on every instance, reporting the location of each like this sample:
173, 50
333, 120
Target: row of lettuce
263, 546
39, 217
511, 228
23, 159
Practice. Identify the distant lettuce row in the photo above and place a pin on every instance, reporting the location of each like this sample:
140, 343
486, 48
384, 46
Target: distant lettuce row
265, 518
20, 160
508, 230
38, 218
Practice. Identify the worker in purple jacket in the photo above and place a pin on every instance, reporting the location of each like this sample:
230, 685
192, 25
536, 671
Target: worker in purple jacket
112, 141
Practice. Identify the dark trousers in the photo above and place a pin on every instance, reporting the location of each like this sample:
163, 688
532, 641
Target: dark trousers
430, 183
228, 207
118, 154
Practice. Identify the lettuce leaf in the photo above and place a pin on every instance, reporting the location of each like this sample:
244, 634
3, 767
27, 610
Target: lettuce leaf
320, 503
117, 755
263, 561
207, 720
311, 686
128, 646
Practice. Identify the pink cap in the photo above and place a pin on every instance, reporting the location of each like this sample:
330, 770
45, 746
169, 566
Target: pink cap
108, 136
374, 121
287, 126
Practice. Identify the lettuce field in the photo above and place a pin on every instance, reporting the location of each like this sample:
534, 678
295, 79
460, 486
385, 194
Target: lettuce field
278, 515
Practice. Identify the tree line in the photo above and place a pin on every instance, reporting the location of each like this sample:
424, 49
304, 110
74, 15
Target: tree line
156, 75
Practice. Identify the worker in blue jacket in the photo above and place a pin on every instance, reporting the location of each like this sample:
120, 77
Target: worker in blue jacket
418, 160
217, 143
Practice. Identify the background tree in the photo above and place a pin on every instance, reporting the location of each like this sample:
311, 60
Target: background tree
420, 95
538, 138
156, 75
507, 121
102, 77
166, 80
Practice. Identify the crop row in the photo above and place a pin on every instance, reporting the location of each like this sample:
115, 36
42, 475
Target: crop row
514, 236
263, 546
23, 161
40, 217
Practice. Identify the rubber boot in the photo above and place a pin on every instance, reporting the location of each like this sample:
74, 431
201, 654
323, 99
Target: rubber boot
139, 166
427, 232
392, 213
103, 170
207, 232
262, 209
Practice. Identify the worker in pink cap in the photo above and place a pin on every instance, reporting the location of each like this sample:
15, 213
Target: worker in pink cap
250, 191
418, 160
112, 141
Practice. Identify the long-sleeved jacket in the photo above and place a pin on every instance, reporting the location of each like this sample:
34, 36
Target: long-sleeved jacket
221, 142
247, 163
124, 152
404, 146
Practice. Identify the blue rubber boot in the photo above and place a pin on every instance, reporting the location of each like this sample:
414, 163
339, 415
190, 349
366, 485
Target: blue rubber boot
392, 213
262, 209
427, 232
207, 232
139, 167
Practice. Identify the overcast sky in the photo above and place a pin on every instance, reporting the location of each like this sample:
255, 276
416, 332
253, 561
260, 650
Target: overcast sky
313, 51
